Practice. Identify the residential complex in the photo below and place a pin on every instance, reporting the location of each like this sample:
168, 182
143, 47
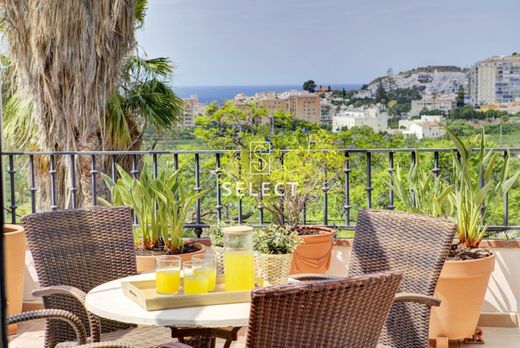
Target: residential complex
431, 102
372, 117
495, 80
192, 108
305, 106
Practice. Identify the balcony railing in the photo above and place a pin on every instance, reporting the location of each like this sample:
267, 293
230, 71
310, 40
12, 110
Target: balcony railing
365, 163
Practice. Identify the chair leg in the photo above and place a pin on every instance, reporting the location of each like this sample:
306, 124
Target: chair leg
477, 338
442, 342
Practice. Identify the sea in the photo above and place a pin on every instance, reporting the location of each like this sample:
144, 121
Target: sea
220, 94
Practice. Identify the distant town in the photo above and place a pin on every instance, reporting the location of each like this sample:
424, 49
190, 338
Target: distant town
413, 103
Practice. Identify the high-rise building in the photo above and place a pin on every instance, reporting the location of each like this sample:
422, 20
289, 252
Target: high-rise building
305, 107
495, 80
192, 108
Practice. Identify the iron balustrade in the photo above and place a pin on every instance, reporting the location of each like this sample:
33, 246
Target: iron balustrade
198, 224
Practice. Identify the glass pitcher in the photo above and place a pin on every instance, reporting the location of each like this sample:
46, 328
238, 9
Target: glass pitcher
239, 272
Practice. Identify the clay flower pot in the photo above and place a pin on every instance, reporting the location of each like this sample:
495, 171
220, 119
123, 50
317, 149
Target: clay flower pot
146, 263
14, 248
314, 254
461, 288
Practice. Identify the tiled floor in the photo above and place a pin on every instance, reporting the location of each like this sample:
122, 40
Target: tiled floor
30, 335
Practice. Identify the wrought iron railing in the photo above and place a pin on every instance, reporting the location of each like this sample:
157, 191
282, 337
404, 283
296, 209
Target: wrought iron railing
364, 157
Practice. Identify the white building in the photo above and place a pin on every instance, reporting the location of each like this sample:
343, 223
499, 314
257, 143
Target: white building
351, 117
428, 127
433, 102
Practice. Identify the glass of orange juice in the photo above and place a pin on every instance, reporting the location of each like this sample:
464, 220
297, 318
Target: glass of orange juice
196, 277
210, 265
167, 274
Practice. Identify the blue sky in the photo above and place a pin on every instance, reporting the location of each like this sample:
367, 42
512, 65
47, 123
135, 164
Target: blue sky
255, 42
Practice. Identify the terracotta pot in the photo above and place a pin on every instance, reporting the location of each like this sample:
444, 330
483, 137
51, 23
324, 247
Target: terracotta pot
314, 255
14, 248
461, 288
147, 263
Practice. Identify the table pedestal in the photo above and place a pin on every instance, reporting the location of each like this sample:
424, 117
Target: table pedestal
229, 334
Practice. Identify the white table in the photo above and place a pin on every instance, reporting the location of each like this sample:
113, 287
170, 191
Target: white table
108, 301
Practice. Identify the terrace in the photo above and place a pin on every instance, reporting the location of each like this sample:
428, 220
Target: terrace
336, 204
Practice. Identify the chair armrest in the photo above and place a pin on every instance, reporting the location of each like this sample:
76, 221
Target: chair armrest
58, 314
417, 298
95, 326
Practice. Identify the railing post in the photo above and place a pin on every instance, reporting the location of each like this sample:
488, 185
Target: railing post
114, 168
240, 199
12, 173
436, 170
52, 172
506, 197
73, 188
414, 161
93, 173
198, 229
369, 187
218, 170
347, 205
391, 172
33, 184
325, 189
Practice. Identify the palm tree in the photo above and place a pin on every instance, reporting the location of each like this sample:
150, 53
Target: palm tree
132, 92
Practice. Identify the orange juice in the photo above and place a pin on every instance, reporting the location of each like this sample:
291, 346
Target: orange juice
167, 281
239, 272
196, 283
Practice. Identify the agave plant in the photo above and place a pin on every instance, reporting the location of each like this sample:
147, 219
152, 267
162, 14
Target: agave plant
160, 204
468, 195
421, 191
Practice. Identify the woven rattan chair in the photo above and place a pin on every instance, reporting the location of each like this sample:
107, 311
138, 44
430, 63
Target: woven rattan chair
334, 313
76, 250
415, 244
75, 323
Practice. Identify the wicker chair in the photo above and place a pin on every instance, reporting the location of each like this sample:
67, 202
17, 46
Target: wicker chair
75, 323
415, 244
347, 312
76, 250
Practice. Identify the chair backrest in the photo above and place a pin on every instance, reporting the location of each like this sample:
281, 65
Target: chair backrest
81, 248
415, 244
346, 312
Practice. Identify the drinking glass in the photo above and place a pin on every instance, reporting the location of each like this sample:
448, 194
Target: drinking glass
210, 265
167, 274
195, 277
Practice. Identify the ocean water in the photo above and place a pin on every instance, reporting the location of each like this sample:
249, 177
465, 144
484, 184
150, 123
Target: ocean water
220, 94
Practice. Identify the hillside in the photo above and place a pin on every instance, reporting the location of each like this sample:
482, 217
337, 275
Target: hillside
433, 79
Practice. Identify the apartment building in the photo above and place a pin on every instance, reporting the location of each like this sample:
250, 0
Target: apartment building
305, 107
358, 117
495, 80
192, 108
433, 102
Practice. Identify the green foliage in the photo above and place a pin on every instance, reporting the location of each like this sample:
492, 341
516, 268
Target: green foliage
275, 239
468, 113
421, 191
460, 97
469, 195
309, 85
161, 206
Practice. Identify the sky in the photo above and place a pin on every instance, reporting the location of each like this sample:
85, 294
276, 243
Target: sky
270, 42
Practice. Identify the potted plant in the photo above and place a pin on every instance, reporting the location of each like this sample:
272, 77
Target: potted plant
285, 183
275, 245
161, 205
473, 184
14, 248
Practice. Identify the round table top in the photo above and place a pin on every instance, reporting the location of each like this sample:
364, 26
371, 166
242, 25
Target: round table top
108, 301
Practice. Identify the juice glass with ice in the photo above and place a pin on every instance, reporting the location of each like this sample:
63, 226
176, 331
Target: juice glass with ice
210, 266
196, 277
239, 273
167, 274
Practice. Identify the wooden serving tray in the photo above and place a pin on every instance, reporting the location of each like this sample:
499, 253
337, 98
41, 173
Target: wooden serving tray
144, 294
